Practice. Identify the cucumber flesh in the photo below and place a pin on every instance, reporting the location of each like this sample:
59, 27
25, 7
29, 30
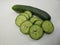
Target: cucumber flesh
29, 13
35, 32
39, 22
47, 27
34, 18
20, 19
25, 27
26, 15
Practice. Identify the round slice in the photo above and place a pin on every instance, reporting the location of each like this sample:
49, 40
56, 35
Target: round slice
29, 13
39, 22
26, 15
34, 18
20, 19
25, 27
35, 32
47, 27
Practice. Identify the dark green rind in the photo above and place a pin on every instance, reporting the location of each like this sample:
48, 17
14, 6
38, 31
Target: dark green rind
35, 11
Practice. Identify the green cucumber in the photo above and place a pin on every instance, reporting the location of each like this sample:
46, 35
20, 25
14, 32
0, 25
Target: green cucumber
25, 27
26, 15
39, 22
35, 32
29, 13
34, 18
20, 19
35, 11
47, 27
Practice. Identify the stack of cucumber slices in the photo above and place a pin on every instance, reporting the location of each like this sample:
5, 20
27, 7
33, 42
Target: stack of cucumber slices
33, 25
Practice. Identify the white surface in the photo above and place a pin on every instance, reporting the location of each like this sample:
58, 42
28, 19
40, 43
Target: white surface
9, 32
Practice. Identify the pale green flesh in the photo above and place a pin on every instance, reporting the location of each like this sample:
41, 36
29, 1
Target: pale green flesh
34, 18
20, 19
47, 26
26, 15
25, 27
35, 32
39, 22
29, 13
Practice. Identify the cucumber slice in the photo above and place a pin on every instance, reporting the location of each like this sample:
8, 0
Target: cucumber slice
29, 13
35, 32
39, 22
20, 19
26, 15
25, 27
34, 18
48, 27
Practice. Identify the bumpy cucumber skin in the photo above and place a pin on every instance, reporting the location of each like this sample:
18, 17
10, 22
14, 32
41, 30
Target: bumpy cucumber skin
39, 37
47, 26
38, 12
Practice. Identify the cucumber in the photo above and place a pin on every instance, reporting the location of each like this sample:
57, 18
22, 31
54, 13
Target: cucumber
25, 27
34, 18
20, 19
29, 13
35, 11
47, 27
26, 15
39, 22
35, 32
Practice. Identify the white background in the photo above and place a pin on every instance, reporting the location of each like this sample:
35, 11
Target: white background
9, 32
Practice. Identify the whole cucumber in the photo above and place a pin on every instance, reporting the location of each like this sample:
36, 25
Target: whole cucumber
35, 11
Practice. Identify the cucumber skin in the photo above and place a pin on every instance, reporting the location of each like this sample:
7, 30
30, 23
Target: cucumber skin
38, 12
